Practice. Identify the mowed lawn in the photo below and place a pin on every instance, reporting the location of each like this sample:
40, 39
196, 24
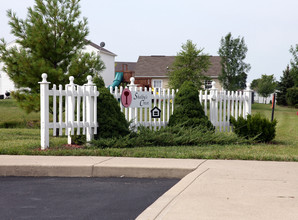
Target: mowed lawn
24, 141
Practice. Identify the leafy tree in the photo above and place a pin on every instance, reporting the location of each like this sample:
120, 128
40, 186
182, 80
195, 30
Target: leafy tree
234, 69
286, 82
254, 84
294, 64
188, 110
266, 85
51, 40
189, 65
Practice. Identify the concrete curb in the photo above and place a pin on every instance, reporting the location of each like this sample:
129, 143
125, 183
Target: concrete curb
159, 208
72, 166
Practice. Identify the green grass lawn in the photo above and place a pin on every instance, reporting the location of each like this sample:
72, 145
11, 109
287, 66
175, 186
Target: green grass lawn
14, 116
27, 141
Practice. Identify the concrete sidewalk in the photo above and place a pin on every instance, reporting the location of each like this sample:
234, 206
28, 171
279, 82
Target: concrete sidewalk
209, 189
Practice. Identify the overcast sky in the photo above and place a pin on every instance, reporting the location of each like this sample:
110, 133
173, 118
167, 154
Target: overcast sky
131, 28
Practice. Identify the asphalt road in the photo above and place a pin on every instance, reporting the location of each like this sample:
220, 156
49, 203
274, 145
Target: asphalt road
78, 198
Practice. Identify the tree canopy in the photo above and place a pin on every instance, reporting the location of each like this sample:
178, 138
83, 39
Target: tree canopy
189, 65
286, 82
234, 69
51, 40
294, 64
266, 85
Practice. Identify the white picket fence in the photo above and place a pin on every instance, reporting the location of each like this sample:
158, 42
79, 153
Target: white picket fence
261, 99
224, 104
80, 110
218, 106
162, 98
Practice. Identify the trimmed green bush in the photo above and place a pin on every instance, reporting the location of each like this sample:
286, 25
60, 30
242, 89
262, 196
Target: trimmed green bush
170, 136
188, 110
111, 121
255, 126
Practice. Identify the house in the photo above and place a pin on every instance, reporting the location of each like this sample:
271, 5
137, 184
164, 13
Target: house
151, 71
6, 84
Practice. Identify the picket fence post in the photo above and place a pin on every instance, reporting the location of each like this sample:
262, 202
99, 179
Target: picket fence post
44, 112
132, 87
213, 104
89, 109
248, 100
69, 89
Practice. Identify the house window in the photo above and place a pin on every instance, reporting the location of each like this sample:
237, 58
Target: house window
157, 83
208, 84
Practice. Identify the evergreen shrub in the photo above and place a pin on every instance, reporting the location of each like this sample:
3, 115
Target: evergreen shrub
292, 96
188, 110
170, 136
255, 126
111, 121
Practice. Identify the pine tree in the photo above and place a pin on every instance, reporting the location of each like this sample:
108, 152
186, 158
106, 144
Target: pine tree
188, 110
189, 65
234, 69
286, 82
51, 40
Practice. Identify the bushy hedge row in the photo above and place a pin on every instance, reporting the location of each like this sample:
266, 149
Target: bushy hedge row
170, 136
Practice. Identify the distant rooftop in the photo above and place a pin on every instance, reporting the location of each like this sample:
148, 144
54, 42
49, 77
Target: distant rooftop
158, 65
125, 66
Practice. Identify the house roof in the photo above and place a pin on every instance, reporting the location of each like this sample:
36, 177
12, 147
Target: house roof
101, 49
125, 66
157, 66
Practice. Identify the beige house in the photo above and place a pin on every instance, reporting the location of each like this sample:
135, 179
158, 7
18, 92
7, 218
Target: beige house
151, 71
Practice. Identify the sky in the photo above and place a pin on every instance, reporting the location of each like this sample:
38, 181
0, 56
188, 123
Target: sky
133, 28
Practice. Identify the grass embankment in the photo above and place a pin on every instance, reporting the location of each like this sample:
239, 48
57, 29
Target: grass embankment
284, 148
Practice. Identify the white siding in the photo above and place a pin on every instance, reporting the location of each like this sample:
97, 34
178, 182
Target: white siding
109, 60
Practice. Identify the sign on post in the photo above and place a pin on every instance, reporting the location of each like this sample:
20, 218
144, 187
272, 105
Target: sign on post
136, 99
126, 98
141, 99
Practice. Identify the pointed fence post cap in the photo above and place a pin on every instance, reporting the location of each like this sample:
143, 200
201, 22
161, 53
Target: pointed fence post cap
71, 79
44, 77
132, 80
89, 78
247, 86
213, 84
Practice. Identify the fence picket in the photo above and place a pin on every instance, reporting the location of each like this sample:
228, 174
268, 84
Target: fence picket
54, 111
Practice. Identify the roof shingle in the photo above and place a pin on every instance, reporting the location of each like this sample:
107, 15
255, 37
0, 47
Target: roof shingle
150, 66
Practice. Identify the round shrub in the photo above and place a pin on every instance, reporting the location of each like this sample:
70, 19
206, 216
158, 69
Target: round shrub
188, 110
255, 126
